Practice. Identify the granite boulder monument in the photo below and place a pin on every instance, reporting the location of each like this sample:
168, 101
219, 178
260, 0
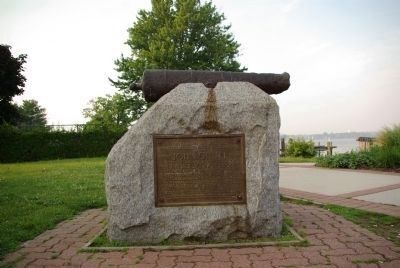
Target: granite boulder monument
201, 163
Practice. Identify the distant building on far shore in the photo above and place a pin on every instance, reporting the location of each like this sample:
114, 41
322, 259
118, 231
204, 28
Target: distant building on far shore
365, 143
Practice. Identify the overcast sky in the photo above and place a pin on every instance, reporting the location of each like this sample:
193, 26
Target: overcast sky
343, 55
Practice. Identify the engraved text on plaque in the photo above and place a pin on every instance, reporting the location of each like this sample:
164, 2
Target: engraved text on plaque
199, 169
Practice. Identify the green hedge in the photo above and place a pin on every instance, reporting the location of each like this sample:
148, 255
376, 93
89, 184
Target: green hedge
20, 146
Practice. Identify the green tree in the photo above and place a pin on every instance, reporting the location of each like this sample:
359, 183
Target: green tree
12, 83
32, 115
176, 34
114, 112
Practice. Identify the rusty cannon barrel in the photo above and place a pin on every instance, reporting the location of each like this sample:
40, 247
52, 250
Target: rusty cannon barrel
157, 83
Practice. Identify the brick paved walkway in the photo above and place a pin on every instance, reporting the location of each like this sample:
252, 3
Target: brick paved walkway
334, 242
371, 191
344, 200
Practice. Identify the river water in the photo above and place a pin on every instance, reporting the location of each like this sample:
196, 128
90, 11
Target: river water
343, 144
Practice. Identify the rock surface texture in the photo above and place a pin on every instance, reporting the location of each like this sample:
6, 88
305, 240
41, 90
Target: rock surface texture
231, 107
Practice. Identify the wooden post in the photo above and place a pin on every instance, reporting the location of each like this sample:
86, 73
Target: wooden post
329, 148
319, 149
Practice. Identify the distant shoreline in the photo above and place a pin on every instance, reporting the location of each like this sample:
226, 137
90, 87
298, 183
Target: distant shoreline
337, 135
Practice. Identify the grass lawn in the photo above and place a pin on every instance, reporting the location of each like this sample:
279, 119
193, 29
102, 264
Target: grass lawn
290, 159
35, 196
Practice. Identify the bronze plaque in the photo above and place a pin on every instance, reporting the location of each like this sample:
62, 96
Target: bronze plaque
199, 169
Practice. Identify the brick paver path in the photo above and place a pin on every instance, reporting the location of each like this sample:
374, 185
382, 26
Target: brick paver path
371, 191
344, 201
334, 242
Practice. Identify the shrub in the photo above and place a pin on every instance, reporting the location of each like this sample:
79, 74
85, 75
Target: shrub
389, 137
300, 148
385, 154
376, 157
387, 151
386, 157
351, 160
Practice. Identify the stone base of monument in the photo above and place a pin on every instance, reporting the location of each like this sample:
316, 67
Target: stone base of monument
100, 243
200, 164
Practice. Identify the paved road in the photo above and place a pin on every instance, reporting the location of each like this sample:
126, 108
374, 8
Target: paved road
378, 187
